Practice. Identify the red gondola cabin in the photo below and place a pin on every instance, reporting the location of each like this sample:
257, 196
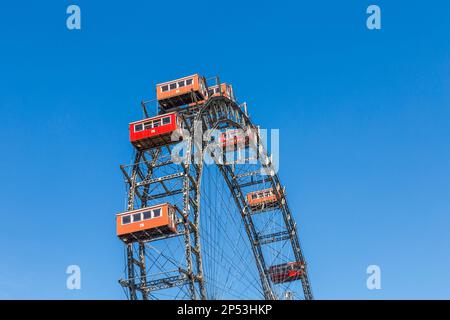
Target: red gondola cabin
263, 199
237, 138
154, 132
286, 272
146, 223
181, 92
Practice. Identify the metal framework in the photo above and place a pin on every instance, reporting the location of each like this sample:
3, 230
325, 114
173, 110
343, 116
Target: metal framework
155, 175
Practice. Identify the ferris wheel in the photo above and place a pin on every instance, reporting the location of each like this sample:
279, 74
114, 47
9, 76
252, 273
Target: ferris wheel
206, 215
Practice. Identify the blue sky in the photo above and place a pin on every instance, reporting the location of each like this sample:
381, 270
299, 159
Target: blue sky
364, 119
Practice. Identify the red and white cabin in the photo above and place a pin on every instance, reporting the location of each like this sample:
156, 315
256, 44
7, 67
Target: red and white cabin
286, 272
237, 138
262, 200
154, 132
181, 92
225, 89
146, 223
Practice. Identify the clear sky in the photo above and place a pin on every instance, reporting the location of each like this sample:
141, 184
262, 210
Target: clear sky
364, 119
